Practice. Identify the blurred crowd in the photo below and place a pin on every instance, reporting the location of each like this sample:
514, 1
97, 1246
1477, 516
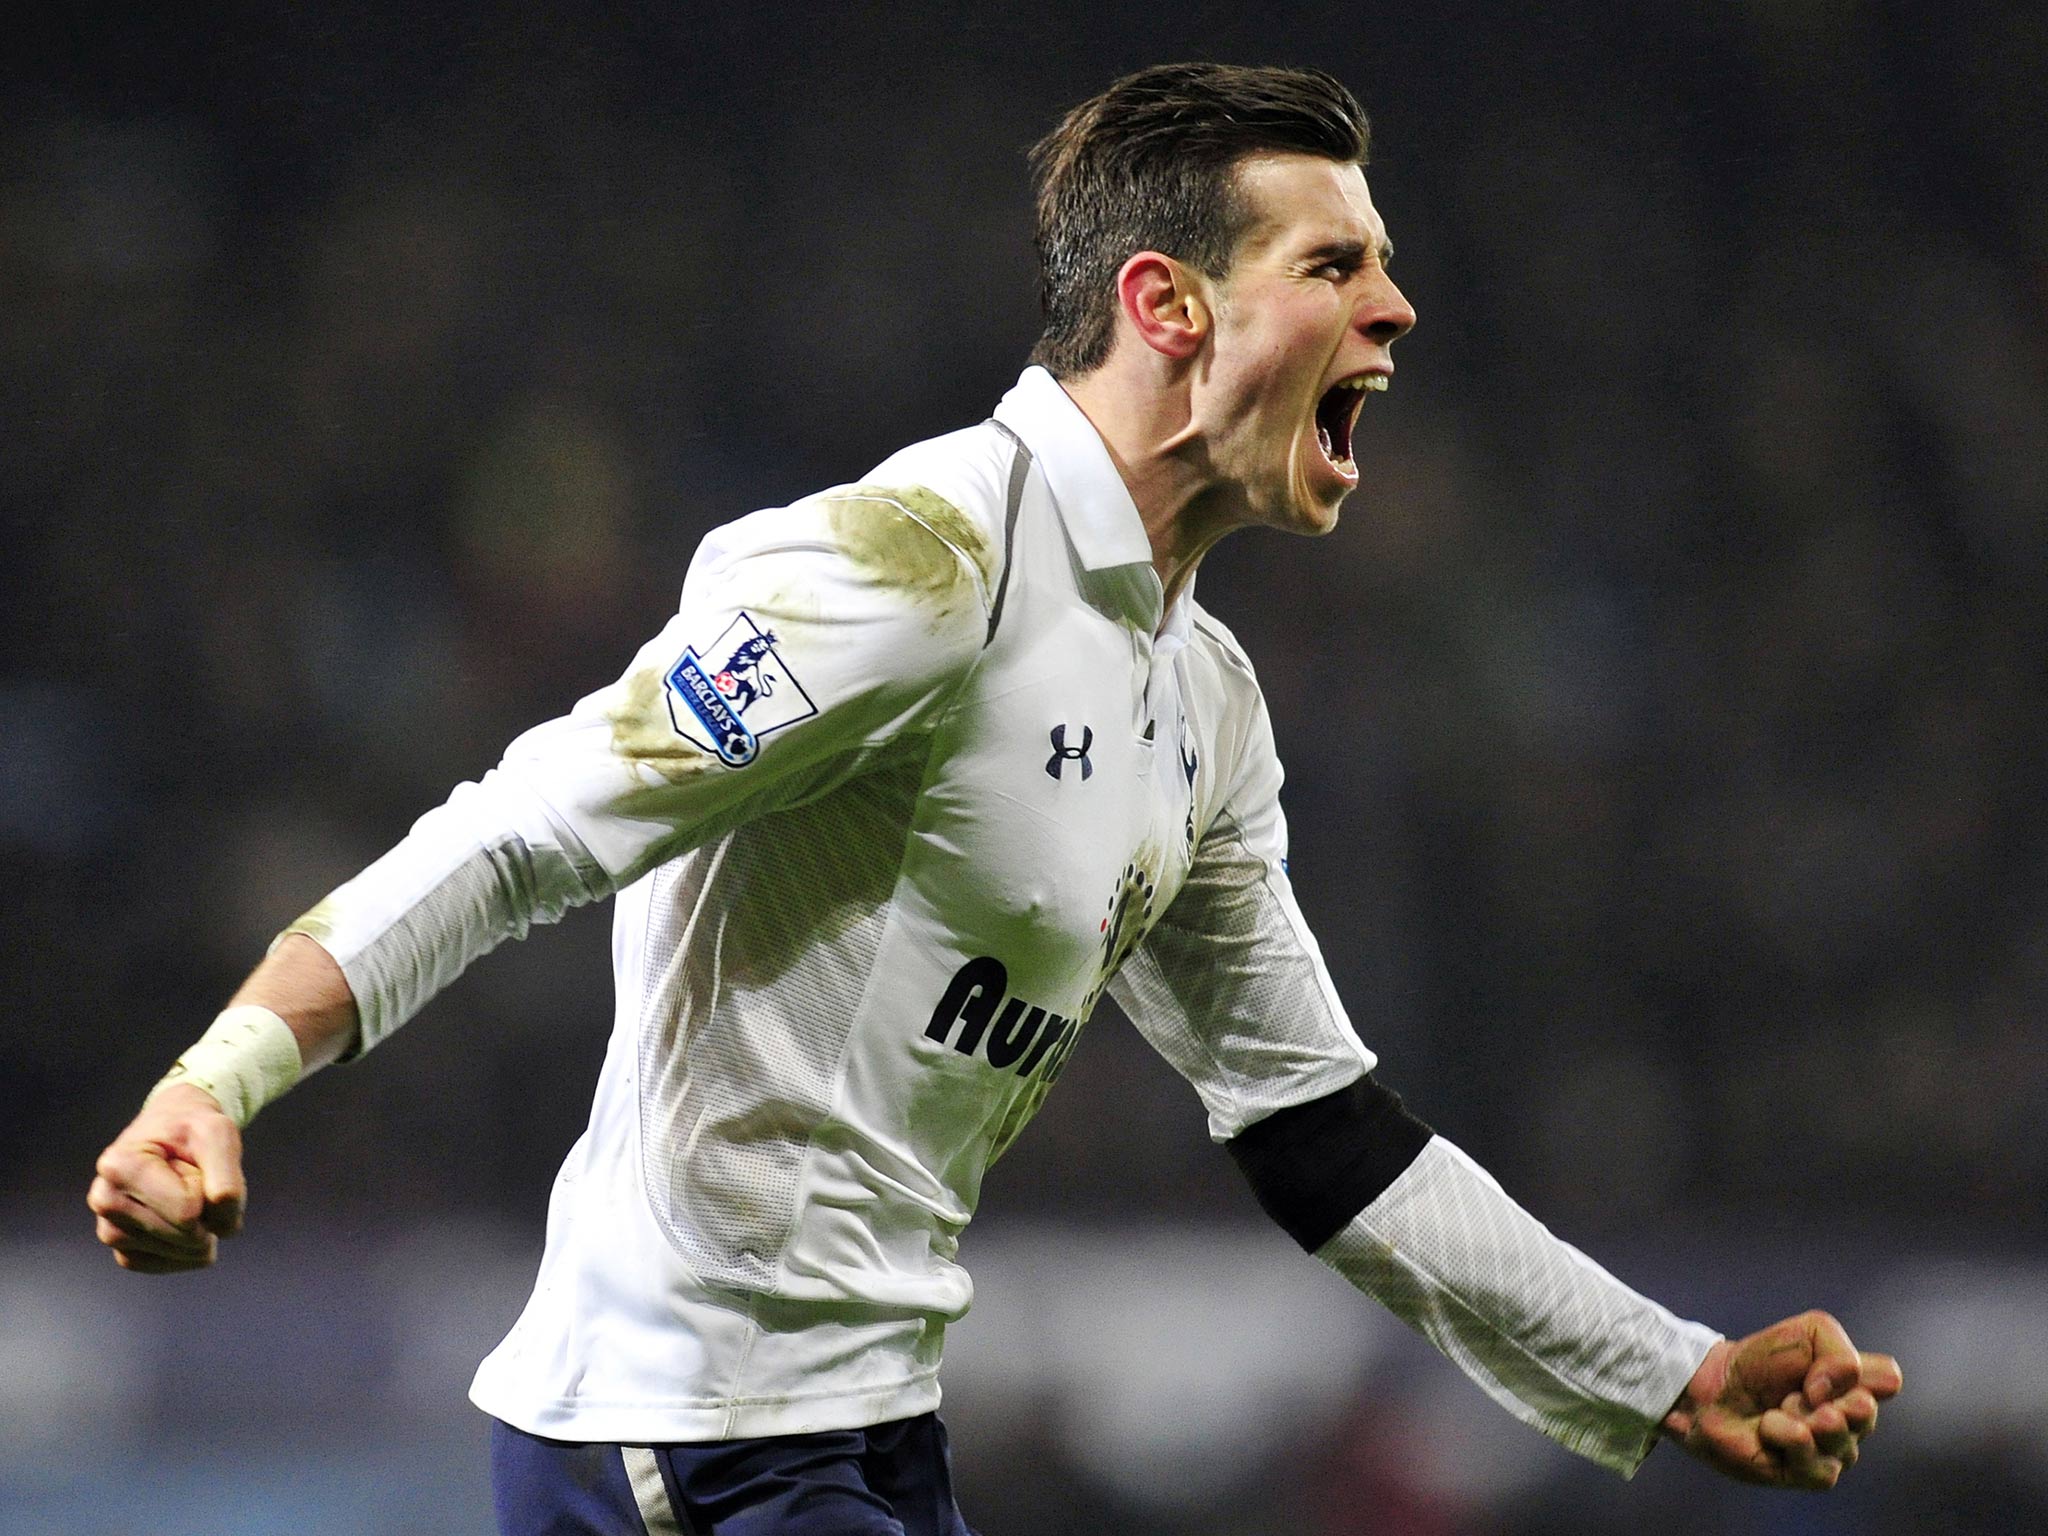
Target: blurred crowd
1663, 724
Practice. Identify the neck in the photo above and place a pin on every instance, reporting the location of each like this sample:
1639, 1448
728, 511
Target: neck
1146, 423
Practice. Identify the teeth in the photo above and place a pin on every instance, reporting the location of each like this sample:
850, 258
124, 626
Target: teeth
1373, 381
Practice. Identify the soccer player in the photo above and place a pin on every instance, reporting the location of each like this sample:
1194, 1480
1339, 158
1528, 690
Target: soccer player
921, 767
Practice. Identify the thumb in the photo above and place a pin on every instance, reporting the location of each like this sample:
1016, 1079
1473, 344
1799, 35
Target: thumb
1836, 1366
216, 1146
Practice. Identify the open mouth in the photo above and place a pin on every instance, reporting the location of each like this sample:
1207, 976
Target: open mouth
1337, 413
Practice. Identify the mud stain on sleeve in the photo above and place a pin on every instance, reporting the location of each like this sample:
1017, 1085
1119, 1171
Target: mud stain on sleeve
913, 539
642, 732
317, 924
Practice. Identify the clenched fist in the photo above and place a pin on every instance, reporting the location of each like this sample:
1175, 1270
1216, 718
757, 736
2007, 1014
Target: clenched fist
1788, 1406
170, 1187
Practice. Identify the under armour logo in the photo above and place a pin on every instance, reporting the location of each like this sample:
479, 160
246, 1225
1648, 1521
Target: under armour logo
1061, 752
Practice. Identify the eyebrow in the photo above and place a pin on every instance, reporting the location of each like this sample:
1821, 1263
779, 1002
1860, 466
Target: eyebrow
1351, 252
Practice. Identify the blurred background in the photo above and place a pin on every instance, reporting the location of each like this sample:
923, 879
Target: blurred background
1664, 723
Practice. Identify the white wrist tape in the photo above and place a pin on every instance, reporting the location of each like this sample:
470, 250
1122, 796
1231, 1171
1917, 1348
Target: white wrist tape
247, 1057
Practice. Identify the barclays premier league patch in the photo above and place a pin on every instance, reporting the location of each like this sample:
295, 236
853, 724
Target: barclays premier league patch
735, 691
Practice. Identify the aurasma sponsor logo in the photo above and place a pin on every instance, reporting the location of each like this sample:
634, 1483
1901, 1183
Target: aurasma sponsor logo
977, 1016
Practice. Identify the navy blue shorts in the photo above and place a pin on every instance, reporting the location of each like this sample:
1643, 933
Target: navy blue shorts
889, 1480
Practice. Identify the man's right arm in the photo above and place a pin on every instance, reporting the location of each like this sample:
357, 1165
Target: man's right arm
847, 619
170, 1186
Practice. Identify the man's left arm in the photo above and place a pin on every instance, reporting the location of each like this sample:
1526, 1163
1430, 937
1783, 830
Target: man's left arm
1231, 988
1548, 1333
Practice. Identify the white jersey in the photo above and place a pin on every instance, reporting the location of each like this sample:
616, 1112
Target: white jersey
919, 769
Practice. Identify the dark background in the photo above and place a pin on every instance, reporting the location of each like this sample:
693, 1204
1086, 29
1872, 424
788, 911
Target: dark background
1663, 723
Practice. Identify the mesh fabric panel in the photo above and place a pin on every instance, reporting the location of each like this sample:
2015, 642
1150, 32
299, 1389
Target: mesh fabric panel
758, 952
1550, 1335
427, 947
1229, 988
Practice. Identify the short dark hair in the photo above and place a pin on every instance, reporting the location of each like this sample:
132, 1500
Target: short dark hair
1151, 164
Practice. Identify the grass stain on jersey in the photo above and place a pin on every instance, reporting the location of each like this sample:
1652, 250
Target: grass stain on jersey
316, 924
1023, 1109
914, 539
642, 731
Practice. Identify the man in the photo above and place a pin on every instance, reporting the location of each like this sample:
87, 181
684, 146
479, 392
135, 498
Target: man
922, 766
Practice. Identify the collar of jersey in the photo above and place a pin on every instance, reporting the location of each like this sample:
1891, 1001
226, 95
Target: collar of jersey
1095, 505
1102, 520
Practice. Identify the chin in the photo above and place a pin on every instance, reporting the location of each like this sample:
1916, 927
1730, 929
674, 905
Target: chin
1315, 515
1314, 501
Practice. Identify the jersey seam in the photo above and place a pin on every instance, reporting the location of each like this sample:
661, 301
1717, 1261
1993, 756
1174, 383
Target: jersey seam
853, 1026
735, 1401
1305, 946
1021, 462
752, 1333
1235, 827
1221, 1075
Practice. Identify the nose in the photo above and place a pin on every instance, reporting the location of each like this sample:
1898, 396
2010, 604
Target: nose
1385, 316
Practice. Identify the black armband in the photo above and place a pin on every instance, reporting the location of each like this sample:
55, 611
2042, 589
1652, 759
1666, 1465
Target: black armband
1314, 1166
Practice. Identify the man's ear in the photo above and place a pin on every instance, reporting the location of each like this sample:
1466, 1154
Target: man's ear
1166, 304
